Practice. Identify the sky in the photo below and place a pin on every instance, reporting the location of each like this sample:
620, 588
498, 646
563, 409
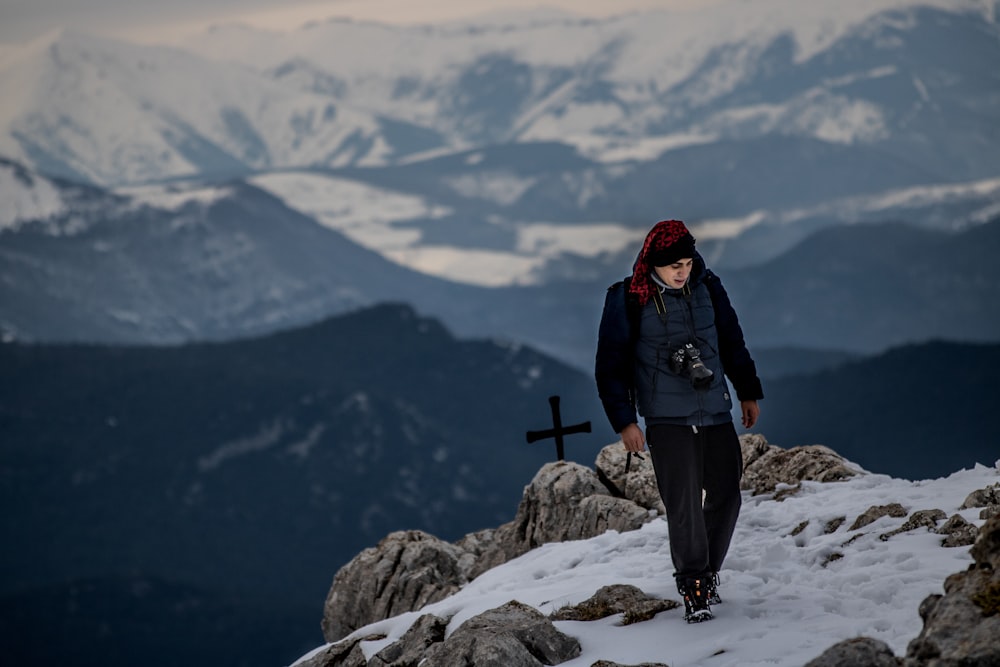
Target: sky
152, 21
783, 602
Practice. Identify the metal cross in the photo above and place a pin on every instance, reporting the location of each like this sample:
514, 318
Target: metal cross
557, 431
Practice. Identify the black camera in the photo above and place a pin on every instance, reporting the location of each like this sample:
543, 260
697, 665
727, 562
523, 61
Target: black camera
686, 361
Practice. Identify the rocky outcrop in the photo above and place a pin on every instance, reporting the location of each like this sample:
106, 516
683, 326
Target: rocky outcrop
567, 501
408, 569
766, 466
962, 627
988, 499
513, 635
405, 571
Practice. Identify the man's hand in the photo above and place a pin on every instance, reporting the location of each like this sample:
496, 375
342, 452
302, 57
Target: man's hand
751, 412
633, 438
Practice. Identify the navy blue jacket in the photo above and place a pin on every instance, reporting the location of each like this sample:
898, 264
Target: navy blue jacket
619, 347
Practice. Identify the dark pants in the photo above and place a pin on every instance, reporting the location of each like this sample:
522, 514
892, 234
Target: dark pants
686, 462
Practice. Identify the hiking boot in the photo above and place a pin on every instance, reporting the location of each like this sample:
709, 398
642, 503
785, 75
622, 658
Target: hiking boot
712, 589
696, 606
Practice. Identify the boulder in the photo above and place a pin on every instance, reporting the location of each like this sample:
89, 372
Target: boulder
857, 652
410, 649
405, 571
514, 635
958, 532
346, 653
876, 512
982, 497
962, 626
638, 485
920, 519
623, 599
567, 501
766, 466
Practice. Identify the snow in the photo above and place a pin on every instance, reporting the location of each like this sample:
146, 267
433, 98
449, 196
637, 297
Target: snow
265, 438
121, 113
26, 196
364, 213
781, 605
985, 193
173, 197
623, 149
376, 219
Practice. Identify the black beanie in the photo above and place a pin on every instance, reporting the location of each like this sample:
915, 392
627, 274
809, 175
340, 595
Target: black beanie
681, 248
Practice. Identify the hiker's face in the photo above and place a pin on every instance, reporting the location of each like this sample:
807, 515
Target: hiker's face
676, 274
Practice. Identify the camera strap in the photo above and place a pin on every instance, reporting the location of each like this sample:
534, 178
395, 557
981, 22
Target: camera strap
661, 307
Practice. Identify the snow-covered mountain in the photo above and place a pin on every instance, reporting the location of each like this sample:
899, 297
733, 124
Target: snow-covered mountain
170, 263
630, 85
104, 111
791, 587
910, 77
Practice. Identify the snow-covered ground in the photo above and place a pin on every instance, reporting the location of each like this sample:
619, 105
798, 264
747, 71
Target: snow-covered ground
782, 605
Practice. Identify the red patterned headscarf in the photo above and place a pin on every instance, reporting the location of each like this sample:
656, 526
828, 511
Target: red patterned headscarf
667, 242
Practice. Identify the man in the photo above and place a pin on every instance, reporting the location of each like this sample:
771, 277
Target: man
668, 338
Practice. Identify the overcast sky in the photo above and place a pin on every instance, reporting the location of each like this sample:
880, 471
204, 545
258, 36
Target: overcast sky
165, 20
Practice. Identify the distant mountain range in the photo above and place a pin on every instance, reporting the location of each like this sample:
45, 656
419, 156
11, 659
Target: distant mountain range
184, 263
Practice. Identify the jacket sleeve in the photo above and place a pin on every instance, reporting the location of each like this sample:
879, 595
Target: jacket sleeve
614, 368
736, 360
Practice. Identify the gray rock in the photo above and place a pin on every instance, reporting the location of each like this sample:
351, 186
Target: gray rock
857, 652
833, 524
962, 626
405, 571
766, 466
989, 512
982, 497
514, 635
876, 512
615, 599
919, 519
342, 654
410, 649
958, 532
639, 485
566, 501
